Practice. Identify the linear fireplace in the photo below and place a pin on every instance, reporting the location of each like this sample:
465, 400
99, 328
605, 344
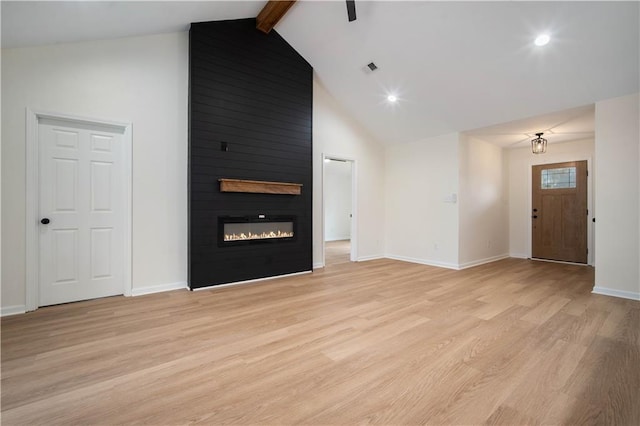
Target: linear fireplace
235, 230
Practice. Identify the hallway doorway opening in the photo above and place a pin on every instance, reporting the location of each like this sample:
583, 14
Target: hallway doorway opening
339, 218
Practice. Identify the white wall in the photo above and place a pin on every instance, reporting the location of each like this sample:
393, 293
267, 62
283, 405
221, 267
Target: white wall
422, 220
520, 162
337, 199
483, 203
142, 80
618, 197
336, 134
1, 225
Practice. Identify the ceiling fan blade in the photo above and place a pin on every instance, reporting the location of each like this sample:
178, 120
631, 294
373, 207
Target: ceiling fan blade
351, 10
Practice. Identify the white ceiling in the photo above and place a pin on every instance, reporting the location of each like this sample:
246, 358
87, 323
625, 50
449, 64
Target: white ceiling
562, 126
33, 23
458, 66
455, 66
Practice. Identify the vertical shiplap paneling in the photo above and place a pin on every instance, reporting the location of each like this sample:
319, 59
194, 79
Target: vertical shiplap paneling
253, 92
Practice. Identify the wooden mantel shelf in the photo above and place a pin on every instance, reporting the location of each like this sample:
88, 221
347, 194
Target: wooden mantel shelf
259, 187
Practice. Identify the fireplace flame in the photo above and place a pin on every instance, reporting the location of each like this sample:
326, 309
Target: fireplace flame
261, 236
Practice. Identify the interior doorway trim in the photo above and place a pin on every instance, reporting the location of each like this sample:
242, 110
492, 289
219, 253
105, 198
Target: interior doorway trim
32, 197
590, 225
353, 256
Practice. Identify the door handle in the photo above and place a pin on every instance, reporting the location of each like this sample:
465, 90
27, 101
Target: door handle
44, 220
535, 216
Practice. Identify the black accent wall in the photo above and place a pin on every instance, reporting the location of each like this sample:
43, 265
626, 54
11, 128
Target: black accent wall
250, 105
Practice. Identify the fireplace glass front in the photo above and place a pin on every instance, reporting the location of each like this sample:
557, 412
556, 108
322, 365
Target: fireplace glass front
255, 229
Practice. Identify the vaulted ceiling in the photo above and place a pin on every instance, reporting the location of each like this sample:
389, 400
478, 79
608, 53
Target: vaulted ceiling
454, 66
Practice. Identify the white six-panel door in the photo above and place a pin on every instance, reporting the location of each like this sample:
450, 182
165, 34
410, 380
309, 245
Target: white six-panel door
80, 195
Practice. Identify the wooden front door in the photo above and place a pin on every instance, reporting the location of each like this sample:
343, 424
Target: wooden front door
559, 211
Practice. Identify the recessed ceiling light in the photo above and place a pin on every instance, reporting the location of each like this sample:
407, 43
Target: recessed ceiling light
392, 98
542, 39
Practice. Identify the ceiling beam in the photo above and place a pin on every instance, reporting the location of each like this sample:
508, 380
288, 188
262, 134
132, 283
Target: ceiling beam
271, 14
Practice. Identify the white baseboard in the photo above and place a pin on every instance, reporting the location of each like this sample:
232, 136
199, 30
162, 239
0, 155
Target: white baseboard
367, 258
616, 293
482, 261
424, 261
318, 265
5, 311
213, 287
519, 256
139, 291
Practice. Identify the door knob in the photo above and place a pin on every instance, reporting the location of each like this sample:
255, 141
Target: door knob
44, 220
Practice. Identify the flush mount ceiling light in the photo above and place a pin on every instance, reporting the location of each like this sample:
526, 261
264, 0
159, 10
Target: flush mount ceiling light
539, 144
392, 98
542, 39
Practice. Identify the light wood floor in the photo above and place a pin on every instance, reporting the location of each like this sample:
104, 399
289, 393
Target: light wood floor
514, 342
336, 252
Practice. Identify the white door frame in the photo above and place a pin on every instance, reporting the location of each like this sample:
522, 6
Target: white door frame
354, 206
590, 225
32, 197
